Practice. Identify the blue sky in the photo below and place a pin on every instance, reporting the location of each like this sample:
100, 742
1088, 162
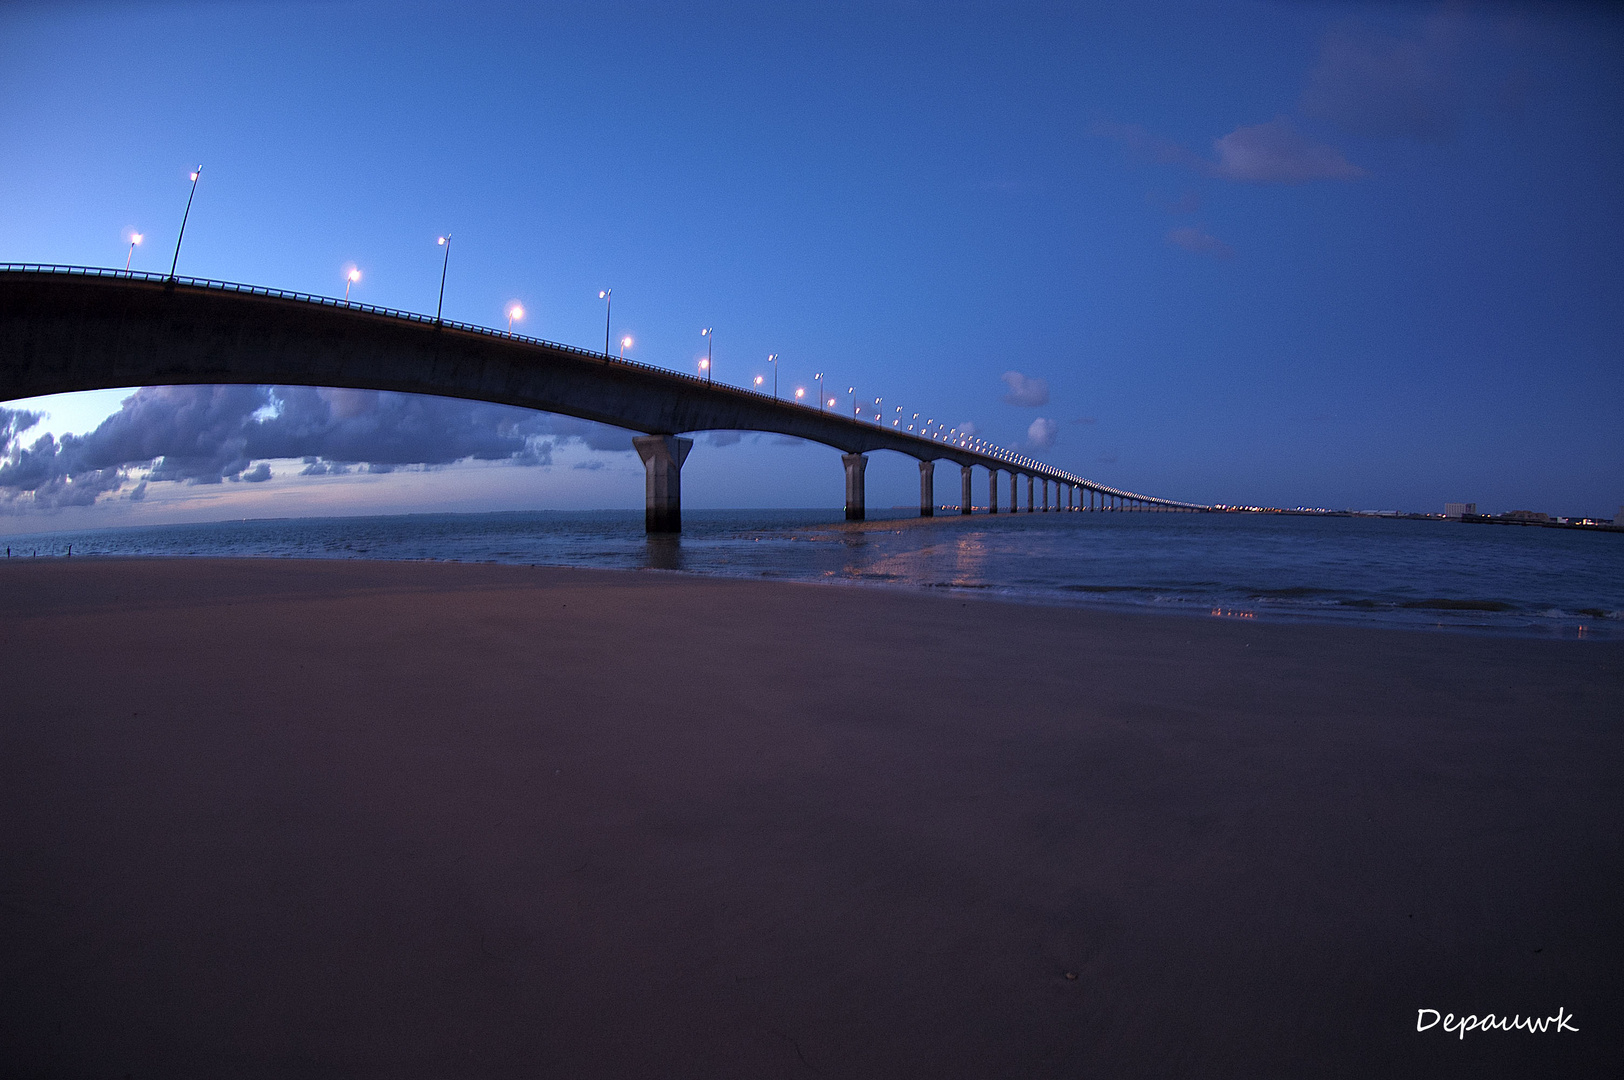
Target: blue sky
1281, 253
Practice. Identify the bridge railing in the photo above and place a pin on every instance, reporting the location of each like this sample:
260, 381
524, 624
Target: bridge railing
1004, 456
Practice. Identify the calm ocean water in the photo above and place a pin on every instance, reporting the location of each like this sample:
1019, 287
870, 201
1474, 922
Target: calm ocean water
1528, 581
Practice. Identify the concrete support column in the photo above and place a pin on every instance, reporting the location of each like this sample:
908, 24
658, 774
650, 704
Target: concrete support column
1071, 493
855, 465
992, 491
1031, 482
662, 456
1045, 494
965, 498
1014, 492
927, 488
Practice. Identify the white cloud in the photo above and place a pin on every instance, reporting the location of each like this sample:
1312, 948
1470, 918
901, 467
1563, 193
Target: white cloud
1042, 433
1025, 391
1275, 153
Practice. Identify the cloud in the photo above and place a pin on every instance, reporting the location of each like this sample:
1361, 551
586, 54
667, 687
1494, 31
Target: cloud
1271, 153
1024, 391
1042, 433
969, 427
724, 438
1199, 241
1274, 153
210, 434
1367, 84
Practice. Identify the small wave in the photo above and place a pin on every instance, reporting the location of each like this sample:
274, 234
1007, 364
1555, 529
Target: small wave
1294, 593
1445, 604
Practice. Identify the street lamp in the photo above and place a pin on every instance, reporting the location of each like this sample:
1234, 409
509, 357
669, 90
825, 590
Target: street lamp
350, 279
197, 172
759, 380
819, 378
800, 392
515, 311
625, 343
445, 242
135, 239
709, 334
772, 358
608, 298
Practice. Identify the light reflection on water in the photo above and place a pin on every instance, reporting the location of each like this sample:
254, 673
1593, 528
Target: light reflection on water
1417, 573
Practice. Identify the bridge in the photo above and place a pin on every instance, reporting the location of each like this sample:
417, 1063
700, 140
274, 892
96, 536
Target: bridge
71, 328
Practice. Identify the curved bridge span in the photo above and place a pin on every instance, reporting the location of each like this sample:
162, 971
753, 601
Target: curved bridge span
65, 329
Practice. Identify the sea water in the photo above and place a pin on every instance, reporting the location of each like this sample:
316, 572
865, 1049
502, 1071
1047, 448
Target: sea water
1424, 573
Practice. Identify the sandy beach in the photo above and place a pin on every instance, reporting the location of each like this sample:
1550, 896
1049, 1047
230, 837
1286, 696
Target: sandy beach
323, 819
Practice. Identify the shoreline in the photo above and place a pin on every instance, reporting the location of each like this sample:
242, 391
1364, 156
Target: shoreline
428, 819
1412, 616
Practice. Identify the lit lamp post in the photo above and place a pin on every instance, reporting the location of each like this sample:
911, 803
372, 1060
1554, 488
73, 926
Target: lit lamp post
772, 358
350, 279
625, 343
515, 311
608, 298
445, 242
800, 392
197, 172
135, 241
709, 334
819, 378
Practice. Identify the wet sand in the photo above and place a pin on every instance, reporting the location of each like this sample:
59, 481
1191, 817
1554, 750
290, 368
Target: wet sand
312, 819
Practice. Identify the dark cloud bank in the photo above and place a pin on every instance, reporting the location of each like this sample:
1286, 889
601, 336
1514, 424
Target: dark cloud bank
216, 434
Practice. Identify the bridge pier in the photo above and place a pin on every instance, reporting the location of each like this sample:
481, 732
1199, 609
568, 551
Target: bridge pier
1014, 492
1045, 494
992, 491
1031, 482
662, 456
927, 488
966, 500
855, 465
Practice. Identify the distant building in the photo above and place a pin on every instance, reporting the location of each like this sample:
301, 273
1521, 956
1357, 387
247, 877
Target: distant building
1525, 515
1455, 510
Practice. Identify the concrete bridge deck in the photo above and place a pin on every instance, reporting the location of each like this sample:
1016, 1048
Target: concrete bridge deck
65, 329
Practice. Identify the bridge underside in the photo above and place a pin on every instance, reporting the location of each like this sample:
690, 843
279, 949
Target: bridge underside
64, 332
